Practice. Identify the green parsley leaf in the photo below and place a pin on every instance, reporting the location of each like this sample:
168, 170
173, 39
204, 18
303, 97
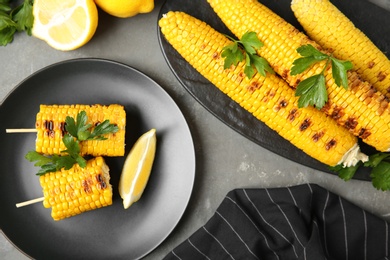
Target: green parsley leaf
70, 126
79, 128
40, 159
82, 120
312, 92
23, 16
339, 71
50, 164
232, 54
4, 7
72, 146
261, 65
65, 162
345, 173
376, 159
103, 128
73, 149
7, 29
246, 48
249, 70
7, 35
381, 176
12, 20
306, 90
309, 51
310, 55
302, 64
83, 135
380, 170
46, 169
250, 42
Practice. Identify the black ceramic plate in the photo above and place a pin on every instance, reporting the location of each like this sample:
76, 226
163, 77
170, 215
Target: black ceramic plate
370, 18
110, 232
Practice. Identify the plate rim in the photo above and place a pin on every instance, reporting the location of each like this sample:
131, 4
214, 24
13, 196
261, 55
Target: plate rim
162, 91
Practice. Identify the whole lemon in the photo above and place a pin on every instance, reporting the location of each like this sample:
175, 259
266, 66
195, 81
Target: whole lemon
125, 8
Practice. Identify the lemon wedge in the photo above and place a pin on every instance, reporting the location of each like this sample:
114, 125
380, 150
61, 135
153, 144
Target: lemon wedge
65, 24
137, 168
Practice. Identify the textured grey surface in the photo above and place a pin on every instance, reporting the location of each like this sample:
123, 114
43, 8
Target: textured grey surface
225, 159
382, 3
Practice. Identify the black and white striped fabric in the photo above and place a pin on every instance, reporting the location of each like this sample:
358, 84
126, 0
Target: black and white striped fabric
300, 222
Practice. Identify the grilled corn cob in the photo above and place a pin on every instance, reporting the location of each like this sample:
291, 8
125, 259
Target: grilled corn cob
268, 98
74, 191
360, 108
329, 27
50, 125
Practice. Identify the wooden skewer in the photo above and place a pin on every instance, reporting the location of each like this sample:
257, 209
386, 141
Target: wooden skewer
21, 130
25, 203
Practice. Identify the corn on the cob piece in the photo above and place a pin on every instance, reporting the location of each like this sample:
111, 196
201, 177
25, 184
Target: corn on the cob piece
361, 109
74, 191
268, 98
330, 28
50, 125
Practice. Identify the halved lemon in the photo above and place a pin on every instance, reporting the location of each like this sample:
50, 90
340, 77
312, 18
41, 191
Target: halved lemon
137, 168
65, 24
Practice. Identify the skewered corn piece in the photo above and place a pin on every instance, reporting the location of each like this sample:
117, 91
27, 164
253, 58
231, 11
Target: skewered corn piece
50, 125
360, 108
268, 98
329, 27
74, 191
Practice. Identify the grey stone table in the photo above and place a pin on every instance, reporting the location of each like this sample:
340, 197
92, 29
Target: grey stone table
225, 159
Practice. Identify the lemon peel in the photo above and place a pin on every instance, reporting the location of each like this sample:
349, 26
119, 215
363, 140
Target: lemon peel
125, 8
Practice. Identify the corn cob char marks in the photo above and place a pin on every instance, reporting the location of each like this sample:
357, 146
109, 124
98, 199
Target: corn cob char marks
363, 110
327, 25
74, 191
268, 98
50, 125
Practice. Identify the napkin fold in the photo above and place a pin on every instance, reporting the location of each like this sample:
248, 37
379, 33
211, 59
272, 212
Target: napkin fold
299, 222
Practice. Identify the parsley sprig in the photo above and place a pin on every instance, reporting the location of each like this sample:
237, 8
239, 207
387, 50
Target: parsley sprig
312, 90
236, 51
77, 131
57, 162
82, 131
380, 170
17, 19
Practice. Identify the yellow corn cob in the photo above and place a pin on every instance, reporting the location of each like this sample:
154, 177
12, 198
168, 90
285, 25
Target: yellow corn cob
268, 98
74, 191
329, 27
50, 125
361, 109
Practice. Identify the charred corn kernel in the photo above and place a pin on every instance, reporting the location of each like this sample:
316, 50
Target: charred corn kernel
89, 188
268, 98
50, 125
281, 41
328, 26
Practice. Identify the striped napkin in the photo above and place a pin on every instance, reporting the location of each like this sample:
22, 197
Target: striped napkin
299, 222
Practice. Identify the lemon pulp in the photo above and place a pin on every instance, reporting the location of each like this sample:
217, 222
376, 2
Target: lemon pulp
65, 24
137, 168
